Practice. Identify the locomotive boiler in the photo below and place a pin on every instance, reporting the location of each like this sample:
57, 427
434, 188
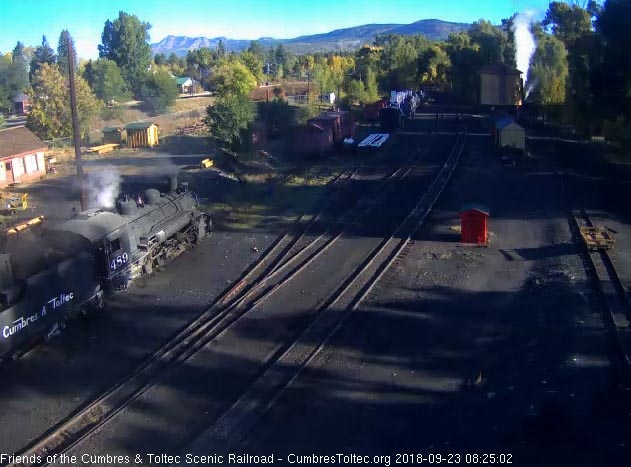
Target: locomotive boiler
48, 274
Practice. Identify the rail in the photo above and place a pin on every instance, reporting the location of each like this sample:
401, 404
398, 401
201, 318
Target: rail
243, 415
256, 284
615, 300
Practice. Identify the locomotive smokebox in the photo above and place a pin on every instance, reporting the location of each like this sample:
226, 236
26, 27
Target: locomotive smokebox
173, 183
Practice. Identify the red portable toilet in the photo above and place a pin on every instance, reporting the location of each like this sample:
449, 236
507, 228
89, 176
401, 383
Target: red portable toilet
473, 223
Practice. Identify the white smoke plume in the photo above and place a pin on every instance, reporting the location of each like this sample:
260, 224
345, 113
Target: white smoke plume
103, 187
524, 41
532, 84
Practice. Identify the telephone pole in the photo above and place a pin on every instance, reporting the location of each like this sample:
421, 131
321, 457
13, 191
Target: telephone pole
75, 121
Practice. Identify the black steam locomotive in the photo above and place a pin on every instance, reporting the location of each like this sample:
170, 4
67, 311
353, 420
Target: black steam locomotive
48, 274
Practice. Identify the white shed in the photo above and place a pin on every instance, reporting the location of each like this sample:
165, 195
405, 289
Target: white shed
510, 134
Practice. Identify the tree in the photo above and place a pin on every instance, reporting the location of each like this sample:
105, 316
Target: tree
569, 22
6, 93
19, 60
43, 54
613, 84
106, 80
229, 119
160, 59
50, 115
126, 41
233, 77
13, 75
466, 62
221, 49
62, 52
5, 90
435, 66
257, 49
322, 76
254, 63
278, 116
572, 24
496, 45
400, 60
549, 69
159, 90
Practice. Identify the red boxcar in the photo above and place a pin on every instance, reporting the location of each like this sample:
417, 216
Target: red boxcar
340, 123
371, 111
312, 139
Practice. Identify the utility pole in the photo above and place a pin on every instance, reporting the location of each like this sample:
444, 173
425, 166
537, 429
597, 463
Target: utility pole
75, 121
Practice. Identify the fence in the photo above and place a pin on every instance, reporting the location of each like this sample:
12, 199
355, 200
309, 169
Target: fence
59, 143
298, 99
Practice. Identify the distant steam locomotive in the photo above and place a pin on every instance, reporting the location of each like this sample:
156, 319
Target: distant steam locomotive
50, 274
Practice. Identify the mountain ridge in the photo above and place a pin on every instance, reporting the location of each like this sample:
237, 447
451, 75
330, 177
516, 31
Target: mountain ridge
337, 40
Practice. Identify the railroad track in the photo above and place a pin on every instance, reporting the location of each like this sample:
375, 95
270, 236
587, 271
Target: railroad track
231, 428
249, 291
614, 297
88, 418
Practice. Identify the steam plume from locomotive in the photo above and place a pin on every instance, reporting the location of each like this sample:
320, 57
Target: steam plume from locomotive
103, 187
524, 41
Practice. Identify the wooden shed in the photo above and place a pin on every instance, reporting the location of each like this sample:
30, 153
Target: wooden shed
509, 134
143, 134
473, 224
113, 135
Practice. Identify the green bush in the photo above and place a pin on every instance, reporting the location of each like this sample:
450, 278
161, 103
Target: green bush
230, 121
306, 112
159, 91
278, 116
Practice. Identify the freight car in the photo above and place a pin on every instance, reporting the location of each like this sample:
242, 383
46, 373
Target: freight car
49, 274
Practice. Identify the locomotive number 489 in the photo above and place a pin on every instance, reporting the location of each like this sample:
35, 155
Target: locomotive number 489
119, 261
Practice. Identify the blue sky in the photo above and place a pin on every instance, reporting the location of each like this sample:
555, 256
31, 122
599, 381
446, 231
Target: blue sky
28, 20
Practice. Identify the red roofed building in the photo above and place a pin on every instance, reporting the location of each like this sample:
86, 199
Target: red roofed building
21, 156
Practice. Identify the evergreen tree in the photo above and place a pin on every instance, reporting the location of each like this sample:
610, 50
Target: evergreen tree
43, 54
63, 50
221, 49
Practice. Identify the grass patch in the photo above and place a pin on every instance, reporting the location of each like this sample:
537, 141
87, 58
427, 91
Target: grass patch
261, 205
191, 103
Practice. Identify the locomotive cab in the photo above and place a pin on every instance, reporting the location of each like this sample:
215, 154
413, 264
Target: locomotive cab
115, 260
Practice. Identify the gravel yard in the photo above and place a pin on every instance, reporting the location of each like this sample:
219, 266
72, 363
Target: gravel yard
470, 350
